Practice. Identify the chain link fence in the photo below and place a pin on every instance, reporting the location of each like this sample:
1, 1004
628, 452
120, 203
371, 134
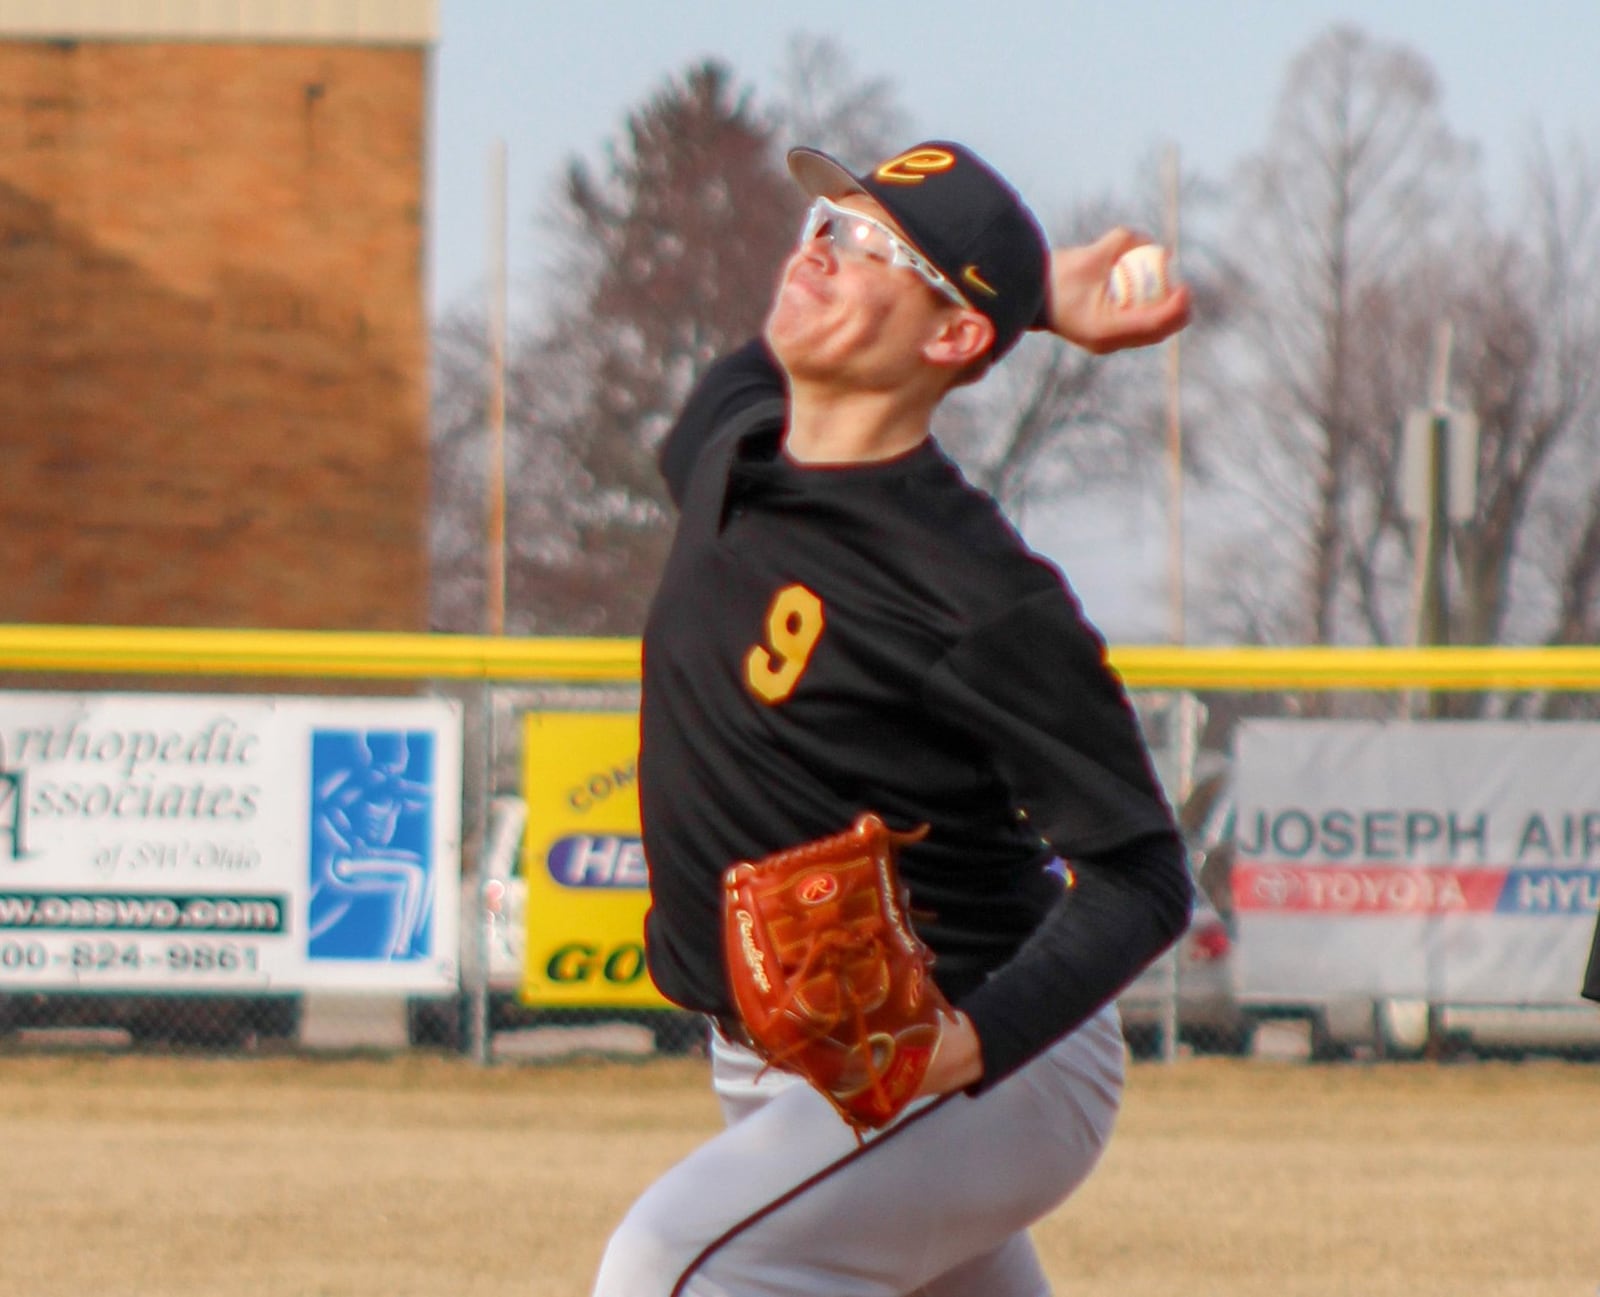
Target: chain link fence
1193, 1001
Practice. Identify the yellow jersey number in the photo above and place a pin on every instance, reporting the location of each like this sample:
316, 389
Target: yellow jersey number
794, 625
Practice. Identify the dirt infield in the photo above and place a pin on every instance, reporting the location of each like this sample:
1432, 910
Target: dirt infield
421, 1176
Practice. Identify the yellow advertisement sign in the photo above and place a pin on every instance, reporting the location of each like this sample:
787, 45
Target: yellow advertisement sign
583, 862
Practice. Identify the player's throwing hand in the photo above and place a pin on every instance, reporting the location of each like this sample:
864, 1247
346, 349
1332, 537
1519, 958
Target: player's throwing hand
1080, 309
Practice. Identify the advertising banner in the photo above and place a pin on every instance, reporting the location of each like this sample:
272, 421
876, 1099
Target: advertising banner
221, 843
583, 862
1452, 861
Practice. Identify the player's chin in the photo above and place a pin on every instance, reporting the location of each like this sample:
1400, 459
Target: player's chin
806, 358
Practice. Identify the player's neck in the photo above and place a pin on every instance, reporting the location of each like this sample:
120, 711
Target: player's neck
830, 426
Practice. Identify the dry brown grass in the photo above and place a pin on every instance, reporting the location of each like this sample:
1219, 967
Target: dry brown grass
412, 1176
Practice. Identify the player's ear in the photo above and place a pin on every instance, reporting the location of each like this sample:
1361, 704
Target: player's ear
961, 338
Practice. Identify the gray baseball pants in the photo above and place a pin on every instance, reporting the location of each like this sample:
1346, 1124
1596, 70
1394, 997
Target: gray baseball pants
785, 1203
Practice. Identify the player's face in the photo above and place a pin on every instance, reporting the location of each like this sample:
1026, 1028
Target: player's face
856, 235
849, 308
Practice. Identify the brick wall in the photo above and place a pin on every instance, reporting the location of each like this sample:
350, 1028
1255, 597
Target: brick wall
213, 391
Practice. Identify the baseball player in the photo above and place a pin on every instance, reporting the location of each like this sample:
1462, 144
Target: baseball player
844, 625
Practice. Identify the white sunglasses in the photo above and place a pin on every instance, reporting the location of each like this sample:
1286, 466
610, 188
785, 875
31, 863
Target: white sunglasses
858, 236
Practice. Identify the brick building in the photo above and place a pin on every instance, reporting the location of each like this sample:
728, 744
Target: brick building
213, 332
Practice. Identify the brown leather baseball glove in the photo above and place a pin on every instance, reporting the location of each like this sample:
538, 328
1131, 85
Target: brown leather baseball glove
829, 978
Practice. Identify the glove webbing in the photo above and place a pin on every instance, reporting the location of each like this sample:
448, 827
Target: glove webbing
823, 955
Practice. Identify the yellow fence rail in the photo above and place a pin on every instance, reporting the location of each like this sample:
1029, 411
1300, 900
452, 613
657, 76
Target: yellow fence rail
1457, 668
395, 656
324, 654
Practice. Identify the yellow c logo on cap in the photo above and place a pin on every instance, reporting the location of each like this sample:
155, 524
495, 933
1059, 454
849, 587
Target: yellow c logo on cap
915, 166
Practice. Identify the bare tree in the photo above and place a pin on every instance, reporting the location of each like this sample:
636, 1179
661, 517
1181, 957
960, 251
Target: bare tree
1360, 182
1367, 239
1523, 306
457, 518
1529, 558
822, 102
668, 252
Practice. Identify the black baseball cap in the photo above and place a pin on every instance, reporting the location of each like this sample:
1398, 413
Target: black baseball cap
962, 215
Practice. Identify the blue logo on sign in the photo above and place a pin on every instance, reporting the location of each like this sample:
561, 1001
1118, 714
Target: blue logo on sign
1550, 891
371, 845
598, 861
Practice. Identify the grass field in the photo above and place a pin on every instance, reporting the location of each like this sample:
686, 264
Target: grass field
419, 1176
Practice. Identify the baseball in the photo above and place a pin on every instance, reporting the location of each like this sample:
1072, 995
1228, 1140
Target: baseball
1141, 275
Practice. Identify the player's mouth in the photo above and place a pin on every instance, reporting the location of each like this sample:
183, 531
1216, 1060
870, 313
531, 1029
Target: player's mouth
803, 277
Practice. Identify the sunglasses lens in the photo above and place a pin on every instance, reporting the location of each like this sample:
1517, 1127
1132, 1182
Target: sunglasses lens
854, 235
816, 223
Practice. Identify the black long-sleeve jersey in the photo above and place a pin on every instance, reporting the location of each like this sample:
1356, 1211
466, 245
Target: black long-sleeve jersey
828, 640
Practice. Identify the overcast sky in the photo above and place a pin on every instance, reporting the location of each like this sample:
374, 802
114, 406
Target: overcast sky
1067, 97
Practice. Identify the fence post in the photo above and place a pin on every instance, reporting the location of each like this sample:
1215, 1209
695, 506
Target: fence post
475, 970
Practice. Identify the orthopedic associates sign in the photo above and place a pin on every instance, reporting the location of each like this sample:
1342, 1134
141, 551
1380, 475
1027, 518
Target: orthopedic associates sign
583, 863
1452, 861
228, 843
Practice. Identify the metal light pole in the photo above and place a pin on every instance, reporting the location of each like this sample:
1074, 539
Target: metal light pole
495, 541
1439, 463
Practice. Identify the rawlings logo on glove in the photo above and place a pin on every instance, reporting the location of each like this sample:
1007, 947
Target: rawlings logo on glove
828, 977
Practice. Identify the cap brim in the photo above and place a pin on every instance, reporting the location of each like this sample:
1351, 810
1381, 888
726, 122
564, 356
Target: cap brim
822, 176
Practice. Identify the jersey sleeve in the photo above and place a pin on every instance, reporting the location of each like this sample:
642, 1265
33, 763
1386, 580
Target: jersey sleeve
1033, 688
1124, 907
742, 378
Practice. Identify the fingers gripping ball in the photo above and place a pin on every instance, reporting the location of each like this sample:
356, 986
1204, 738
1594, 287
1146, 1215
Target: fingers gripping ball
829, 978
1142, 275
